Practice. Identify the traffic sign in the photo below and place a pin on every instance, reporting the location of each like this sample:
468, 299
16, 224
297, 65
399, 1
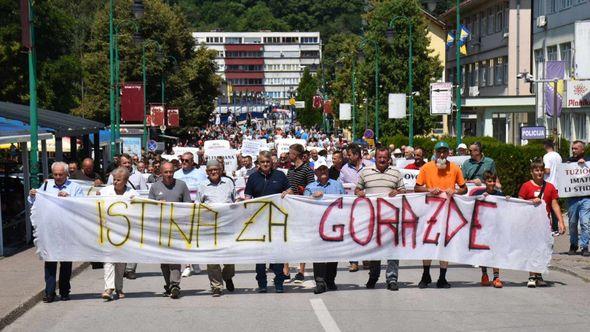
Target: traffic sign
152, 145
369, 134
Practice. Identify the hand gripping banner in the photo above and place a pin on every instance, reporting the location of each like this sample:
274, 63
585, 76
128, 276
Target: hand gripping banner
490, 231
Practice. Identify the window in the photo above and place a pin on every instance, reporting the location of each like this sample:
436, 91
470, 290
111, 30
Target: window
483, 73
565, 4
484, 23
233, 40
539, 60
499, 72
475, 75
505, 70
540, 7
476, 25
309, 40
490, 77
552, 53
272, 40
499, 18
566, 55
310, 54
290, 40
490, 21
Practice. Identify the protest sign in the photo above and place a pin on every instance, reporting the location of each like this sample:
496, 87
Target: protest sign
132, 145
458, 160
573, 179
283, 144
229, 158
252, 147
216, 144
179, 151
459, 229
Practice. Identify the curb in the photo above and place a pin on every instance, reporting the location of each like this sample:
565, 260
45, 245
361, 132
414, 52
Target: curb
570, 272
32, 301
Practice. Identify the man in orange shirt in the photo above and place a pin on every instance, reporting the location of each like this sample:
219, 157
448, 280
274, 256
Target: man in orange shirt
436, 177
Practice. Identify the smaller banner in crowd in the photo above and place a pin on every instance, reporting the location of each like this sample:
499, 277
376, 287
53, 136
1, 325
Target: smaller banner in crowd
573, 179
282, 145
229, 158
216, 144
272, 229
253, 147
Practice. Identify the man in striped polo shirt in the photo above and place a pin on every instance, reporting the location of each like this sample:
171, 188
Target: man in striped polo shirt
381, 179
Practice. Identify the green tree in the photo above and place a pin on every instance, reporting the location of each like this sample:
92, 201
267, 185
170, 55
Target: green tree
308, 88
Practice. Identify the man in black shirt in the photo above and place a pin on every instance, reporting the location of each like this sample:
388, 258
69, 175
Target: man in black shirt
267, 181
87, 172
337, 162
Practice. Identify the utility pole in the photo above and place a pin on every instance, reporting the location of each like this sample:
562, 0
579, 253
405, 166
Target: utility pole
34, 160
458, 74
112, 82
353, 98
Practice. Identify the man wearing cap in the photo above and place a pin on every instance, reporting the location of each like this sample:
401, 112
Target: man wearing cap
435, 177
217, 190
324, 273
462, 150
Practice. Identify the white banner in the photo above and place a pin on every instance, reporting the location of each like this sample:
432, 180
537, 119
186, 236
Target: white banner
440, 98
216, 144
252, 147
295, 229
283, 144
397, 106
573, 179
179, 151
345, 111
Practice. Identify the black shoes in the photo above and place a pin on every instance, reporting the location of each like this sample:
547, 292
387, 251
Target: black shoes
371, 283
585, 252
65, 297
299, 278
392, 286
331, 286
217, 292
48, 298
174, 292
426, 279
320, 288
130, 275
572, 250
229, 285
443, 283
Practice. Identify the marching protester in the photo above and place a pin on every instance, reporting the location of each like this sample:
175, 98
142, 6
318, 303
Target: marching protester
536, 190
170, 189
462, 150
217, 190
435, 177
114, 272
349, 174
418, 159
59, 186
192, 176
579, 208
324, 273
474, 167
381, 179
300, 175
247, 169
337, 163
87, 172
267, 181
490, 189
551, 159
72, 167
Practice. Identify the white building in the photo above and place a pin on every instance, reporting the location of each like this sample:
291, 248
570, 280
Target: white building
270, 63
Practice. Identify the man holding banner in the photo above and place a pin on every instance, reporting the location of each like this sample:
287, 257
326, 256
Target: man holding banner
170, 189
579, 208
435, 177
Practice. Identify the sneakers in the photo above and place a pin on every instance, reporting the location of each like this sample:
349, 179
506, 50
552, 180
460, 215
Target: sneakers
497, 283
299, 278
585, 252
229, 285
354, 267
130, 275
371, 283
166, 292
442, 283
174, 292
107, 295
541, 282
186, 272
426, 279
572, 250
532, 283
320, 288
392, 286
261, 290
216, 292
485, 280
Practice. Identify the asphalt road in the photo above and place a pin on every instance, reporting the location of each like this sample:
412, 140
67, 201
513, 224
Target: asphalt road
466, 307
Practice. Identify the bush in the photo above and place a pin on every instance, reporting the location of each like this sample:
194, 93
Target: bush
512, 161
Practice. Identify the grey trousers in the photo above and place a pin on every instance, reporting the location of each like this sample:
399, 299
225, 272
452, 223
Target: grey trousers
171, 273
131, 267
217, 275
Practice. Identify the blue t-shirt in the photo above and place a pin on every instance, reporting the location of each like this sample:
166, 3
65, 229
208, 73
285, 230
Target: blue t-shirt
260, 184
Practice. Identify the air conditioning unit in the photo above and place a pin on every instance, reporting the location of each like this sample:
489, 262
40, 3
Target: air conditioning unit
473, 91
541, 21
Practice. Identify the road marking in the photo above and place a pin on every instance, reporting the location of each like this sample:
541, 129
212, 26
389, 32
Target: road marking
323, 315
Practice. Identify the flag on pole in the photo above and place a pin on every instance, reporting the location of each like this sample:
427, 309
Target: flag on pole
554, 70
463, 37
450, 39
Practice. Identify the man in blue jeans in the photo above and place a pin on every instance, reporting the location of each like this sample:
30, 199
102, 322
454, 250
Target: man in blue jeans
264, 182
579, 209
62, 187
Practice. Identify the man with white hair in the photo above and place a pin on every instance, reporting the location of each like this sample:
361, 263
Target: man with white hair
315, 160
59, 186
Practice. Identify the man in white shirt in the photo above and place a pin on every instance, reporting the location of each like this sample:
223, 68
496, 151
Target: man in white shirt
248, 167
316, 160
551, 159
136, 180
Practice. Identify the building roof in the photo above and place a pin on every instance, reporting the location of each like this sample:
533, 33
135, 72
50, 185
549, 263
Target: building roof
465, 4
433, 18
60, 124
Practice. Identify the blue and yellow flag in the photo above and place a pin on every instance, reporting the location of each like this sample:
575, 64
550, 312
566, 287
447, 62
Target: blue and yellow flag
450, 39
463, 36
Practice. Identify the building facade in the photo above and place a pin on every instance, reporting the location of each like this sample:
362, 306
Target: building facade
264, 63
494, 102
554, 39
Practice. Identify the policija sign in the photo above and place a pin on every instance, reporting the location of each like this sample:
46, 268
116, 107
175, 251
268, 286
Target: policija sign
295, 229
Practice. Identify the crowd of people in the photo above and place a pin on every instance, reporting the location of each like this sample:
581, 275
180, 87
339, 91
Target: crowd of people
327, 164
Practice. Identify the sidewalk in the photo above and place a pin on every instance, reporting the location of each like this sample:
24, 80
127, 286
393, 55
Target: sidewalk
21, 276
575, 265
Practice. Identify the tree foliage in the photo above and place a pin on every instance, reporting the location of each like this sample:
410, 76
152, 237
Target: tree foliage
308, 87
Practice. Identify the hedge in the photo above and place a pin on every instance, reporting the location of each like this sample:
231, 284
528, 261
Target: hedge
512, 161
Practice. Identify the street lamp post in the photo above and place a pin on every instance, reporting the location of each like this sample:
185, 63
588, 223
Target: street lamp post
410, 70
458, 74
34, 160
112, 82
377, 60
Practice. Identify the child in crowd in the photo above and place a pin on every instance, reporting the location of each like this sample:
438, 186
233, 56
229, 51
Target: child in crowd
536, 190
490, 189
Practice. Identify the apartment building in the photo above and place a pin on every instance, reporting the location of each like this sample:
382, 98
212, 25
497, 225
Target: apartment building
494, 102
554, 38
270, 63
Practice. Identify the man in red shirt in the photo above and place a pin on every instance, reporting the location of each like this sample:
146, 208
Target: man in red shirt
536, 190
418, 159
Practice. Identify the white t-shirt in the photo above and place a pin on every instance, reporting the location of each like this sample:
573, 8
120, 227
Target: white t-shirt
110, 191
552, 160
